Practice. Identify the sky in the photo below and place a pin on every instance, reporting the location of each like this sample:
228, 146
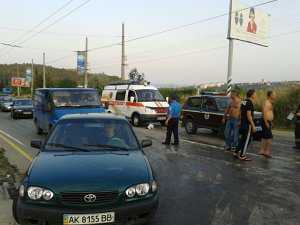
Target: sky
189, 56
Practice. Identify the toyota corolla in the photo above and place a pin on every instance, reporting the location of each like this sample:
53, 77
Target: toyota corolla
91, 169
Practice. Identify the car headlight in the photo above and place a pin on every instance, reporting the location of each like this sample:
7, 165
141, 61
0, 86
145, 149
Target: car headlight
140, 190
130, 192
36, 193
19, 110
21, 191
149, 110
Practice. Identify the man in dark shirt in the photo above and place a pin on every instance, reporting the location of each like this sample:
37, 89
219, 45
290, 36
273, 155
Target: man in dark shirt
297, 129
247, 125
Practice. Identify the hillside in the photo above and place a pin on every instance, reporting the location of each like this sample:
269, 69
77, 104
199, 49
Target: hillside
55, 77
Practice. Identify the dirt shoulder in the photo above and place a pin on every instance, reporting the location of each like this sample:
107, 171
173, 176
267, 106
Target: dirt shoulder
8, 173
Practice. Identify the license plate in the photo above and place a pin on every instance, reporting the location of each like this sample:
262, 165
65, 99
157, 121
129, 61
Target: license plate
27, 113
161, 118
97, 218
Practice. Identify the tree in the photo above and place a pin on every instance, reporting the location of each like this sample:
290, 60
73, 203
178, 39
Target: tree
134, 75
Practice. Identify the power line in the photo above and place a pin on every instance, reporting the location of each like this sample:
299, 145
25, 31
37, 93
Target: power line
183, 26
40, 23
46, 19
55, 22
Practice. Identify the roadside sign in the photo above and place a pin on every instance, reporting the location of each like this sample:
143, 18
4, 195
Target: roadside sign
248, 24
19, 82
81, 62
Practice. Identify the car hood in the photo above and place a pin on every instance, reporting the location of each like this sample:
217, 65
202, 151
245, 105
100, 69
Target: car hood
88, 171
22, 107
60, 112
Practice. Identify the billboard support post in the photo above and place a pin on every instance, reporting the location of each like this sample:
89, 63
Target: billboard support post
230, 53
32, 78
86, 67
229, 71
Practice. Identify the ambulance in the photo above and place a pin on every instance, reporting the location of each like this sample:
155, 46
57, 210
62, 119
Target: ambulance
139, 102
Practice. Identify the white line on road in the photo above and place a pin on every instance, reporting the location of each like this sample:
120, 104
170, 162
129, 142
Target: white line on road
221, 149
13, 138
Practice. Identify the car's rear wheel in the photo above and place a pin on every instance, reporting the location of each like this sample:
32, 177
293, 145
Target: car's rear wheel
136, 119
190, 126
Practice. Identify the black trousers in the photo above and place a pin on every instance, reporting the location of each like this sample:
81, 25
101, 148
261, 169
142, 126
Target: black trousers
172, 127
244, 140
297, 134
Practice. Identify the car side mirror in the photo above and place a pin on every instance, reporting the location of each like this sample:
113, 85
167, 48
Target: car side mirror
36, 144
146, 143
131, 99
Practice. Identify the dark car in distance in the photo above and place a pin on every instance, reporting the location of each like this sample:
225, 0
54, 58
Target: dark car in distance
91, 169
22, 108
6, 103
207, 111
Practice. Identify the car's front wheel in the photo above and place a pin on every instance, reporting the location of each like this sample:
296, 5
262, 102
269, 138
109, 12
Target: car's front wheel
190, 126
136, 120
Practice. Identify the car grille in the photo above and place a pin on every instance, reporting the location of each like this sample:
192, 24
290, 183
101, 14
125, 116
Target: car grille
78, 197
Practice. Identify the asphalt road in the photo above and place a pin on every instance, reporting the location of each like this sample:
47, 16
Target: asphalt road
200, 184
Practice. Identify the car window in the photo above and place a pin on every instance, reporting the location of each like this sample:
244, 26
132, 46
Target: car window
121, 95
195, 103
222, 103
209, 104
23, 102
131, 94
75, 98
92, 134
149, 95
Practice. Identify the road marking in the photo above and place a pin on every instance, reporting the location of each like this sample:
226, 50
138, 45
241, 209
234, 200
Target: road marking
16, 147
221, 149
11, 137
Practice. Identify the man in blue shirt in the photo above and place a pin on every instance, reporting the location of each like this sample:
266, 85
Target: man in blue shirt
172, 121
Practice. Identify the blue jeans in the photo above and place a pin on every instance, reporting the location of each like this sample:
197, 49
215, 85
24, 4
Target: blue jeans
232, 133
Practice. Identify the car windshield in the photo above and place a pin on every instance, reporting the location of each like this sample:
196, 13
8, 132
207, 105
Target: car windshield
23, 102
6, 99
92, 135
75, 98
222, 103
149, 95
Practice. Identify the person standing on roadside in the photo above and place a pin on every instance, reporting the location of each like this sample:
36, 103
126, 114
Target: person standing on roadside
268, 116
232, 120
297, 128
247, 126
173, 121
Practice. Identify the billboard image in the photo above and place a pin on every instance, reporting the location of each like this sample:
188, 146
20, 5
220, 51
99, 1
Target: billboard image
18, 82
248, 24
81, 62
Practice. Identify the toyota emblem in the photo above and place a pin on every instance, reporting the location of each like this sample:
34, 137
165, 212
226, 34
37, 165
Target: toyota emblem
89, 198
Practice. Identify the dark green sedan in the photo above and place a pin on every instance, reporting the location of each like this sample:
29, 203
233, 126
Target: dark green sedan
91, 169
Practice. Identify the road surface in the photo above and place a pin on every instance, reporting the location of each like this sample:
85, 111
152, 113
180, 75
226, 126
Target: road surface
199, 183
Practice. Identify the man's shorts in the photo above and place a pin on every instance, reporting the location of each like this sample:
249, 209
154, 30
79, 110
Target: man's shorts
267, 132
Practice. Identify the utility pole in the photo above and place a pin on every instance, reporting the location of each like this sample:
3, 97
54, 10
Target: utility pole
86, 62
44, 71
123, 53
230, 53
32, 78
18, 75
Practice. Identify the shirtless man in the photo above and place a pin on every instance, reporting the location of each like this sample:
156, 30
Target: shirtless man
232, 118
268, 117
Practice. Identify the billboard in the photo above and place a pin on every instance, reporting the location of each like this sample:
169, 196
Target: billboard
248, 24
19, 82
81, 62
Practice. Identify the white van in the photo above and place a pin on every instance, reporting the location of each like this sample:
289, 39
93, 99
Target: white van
137, 102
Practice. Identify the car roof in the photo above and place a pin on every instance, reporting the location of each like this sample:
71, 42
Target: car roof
65, 89
83, 116
213, 96
22, 99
